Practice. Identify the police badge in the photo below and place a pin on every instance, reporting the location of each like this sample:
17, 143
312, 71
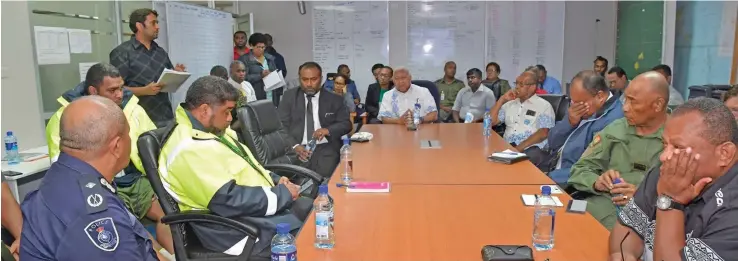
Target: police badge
103, 234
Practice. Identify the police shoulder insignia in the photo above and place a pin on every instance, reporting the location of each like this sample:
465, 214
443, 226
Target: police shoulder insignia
103, 234
595, 140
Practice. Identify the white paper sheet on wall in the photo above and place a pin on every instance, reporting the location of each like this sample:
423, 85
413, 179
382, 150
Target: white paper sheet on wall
83, 68
80, 41
727, 28
52, 45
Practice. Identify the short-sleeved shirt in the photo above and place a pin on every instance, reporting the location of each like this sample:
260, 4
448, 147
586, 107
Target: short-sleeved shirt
710, 227
246, 89
396, 103
524, 119
140, 66
476, 102
75, 215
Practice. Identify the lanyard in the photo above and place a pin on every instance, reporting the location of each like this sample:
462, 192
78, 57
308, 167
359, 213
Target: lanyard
239, 150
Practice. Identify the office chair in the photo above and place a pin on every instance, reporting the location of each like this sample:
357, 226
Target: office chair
433, 89
560, 104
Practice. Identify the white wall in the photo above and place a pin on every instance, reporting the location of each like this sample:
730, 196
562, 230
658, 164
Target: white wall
20, 103
292, 33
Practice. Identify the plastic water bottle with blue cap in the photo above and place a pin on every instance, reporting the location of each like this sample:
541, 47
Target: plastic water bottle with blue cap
11, 149
615, 182
487, 124
310, 147
543, 220
283, 244
346, 162
323, 208
417, 119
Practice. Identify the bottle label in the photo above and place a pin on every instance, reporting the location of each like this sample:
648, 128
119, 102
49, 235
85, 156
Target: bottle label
11, 146
322, 224
291, 256
486, 123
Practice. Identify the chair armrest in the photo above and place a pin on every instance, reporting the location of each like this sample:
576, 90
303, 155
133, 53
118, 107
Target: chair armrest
207, 217
297, 170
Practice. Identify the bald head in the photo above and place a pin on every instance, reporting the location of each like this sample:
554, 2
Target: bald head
89, 123
654, 82
646, 99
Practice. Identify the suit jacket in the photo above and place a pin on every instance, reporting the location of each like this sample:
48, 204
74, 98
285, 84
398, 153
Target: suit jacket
332, 113
372, 100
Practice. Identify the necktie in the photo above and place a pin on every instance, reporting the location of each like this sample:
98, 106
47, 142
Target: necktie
310, 127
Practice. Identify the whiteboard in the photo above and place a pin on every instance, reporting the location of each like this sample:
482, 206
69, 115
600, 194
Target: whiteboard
196, 36
523, 33
438, 32
351, 33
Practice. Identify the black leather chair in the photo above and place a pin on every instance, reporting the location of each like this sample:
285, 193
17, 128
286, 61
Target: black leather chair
187, 246
560, 104
496, 89
433, 89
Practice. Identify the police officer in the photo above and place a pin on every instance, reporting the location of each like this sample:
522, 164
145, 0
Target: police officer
75, 214
686, 209
624, 150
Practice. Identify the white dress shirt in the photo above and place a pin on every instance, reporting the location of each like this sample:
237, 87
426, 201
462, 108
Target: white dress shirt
396, 103
308, 134
246, 89
522, 120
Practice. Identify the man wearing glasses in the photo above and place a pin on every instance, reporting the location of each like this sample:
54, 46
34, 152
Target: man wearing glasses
527, 117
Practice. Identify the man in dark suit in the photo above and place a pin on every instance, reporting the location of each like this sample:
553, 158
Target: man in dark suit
307, 112
376, 91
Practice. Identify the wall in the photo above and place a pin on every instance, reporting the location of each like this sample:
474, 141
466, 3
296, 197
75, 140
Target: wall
20, 102
698, 35
292, 32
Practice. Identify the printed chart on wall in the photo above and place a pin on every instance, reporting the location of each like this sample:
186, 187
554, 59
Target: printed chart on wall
196, 37
438, 32
522, 33
351, 33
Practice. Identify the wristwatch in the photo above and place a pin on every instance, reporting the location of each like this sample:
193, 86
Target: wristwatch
665, 202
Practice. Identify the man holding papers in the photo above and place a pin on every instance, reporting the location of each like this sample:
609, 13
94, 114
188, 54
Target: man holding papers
141, 62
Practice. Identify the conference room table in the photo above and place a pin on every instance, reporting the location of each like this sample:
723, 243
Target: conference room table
445, 203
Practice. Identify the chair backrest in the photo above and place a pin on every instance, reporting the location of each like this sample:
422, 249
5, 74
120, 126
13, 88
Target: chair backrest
149, 147
496, 89
700, 91
432, 88
263, 133
560, 104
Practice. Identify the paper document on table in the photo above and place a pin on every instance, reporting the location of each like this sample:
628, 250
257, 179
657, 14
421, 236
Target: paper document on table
52, 45
83, 68
80, 41
172, 80
530, 200
274, 81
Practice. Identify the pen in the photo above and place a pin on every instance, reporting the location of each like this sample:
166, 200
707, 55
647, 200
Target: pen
339, 185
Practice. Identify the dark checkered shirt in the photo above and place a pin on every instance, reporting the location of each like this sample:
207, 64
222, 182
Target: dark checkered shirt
140, 66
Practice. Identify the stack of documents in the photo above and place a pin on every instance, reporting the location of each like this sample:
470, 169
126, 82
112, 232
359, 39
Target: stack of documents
274, 81
507, 157
172, 80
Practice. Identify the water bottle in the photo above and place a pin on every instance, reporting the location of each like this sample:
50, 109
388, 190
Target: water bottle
310, 147
347, 162
543, 221
416, 115
615, 182
11, 149
324, 237
487, 124
269, 95
469, 118
283, 244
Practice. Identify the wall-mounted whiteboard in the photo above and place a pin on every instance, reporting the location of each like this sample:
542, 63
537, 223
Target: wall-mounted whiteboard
196, 36
351, 33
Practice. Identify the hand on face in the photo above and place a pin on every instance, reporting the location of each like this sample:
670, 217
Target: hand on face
677, 176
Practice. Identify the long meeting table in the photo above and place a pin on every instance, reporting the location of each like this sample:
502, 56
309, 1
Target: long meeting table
445, 203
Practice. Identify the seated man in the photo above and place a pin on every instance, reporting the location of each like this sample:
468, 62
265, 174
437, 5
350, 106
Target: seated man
75, 214
376, 91
625, 149
448, 87
472, 99
203, 166
219, 71
346, 71
398, 104
133, 188
618, 80
238, 80
592, 108
686, 208
548, 83
675, 98
527, 117
310, 113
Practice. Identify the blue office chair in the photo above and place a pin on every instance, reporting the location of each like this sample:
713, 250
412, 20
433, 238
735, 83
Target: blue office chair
433, 90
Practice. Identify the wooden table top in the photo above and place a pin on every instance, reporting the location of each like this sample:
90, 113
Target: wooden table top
446, 222
394, 155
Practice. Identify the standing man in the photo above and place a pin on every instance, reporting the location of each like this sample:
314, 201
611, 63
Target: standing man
600, 65
527, 117
75, 214
278, 58
141, 61
398, 103
625, 149
548, 83
449, 86
618, 81
239, 44
238, 80
675, 98
309, 113
472, 99
376, 91
375, 70
686, 209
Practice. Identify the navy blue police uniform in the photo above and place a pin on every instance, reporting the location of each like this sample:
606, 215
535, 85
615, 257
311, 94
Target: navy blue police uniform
75, 215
